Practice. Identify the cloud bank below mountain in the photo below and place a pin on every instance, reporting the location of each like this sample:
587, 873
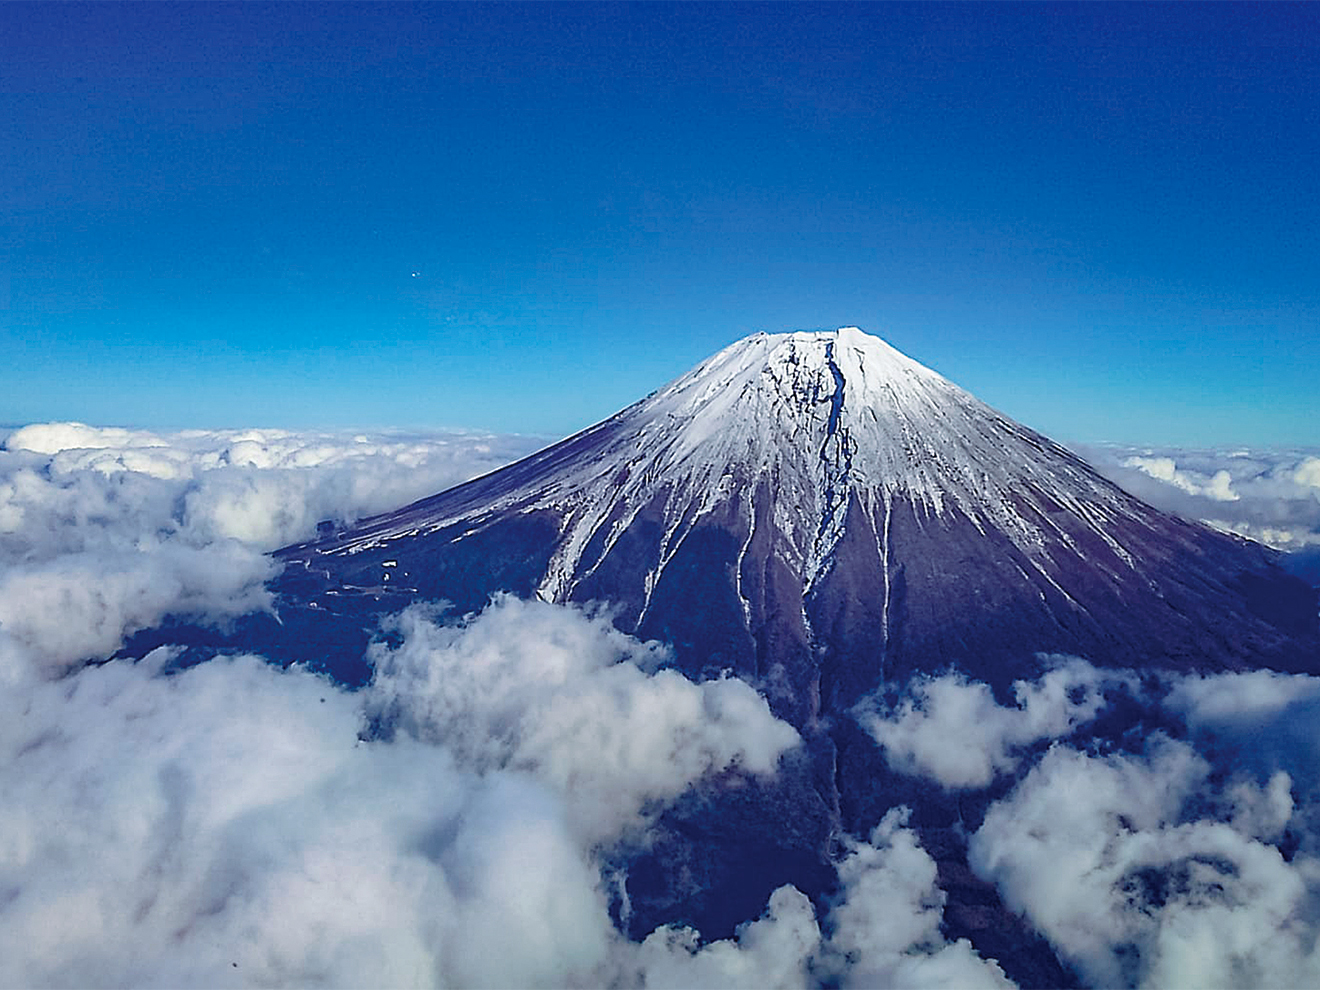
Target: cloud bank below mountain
1268, 495
234, 824
104, 531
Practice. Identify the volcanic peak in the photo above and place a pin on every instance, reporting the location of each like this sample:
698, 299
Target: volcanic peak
827, 417
826, 518
812, 423
821, 514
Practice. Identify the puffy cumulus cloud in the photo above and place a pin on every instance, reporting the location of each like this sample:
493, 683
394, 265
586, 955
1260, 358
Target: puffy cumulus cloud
57, 613
1308, 472
52, 438
1195, 862
104, 531
1272, 495
774, 952
225, 826
951, 730
229, 825
1218, 486
1116, 864
882, 930
885, 929
1260, 812
563, 695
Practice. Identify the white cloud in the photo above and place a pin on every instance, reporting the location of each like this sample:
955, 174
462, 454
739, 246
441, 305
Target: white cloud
1262, 725
774, 952
1218, 486
1308, 472
159, 830
64, 611
156, 828
565, 696
1048, 846
952, 730
1279, 537
52, 438
885, 929
1155, 869
104, 531
1235, 697
1260, 812
1098, 853
266, 488
1269, 495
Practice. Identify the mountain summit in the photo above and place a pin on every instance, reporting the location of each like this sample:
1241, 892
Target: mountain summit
823, 517
820, 514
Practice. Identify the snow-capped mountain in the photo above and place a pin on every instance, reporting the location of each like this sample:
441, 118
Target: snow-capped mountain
823, 517
819, 513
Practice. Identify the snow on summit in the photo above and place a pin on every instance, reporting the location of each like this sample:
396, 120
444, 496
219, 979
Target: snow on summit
821, 512
816, 418
826, 520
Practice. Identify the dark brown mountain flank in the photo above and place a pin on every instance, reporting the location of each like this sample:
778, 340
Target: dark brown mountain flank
821, 514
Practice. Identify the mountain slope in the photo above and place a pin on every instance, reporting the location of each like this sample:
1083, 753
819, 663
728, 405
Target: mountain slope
820, 514
824, 517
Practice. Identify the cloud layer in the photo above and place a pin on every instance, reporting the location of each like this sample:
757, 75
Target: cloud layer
104, 531
1270, 495
234, 824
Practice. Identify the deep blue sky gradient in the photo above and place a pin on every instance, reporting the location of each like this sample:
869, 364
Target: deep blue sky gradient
1101, 219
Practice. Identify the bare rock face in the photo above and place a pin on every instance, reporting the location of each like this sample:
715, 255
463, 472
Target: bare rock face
821, 514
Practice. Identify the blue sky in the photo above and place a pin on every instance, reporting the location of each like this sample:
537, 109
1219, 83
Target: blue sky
1101, 219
